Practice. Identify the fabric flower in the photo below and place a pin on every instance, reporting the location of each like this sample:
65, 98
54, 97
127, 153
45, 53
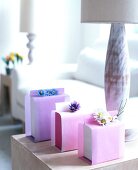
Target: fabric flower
74, 106
103, 117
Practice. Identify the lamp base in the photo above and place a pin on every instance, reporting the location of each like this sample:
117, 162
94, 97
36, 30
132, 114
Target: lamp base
117, 73
30, 46
131, 134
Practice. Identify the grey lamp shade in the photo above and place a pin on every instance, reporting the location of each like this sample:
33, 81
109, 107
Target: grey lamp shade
27, 16
109, 11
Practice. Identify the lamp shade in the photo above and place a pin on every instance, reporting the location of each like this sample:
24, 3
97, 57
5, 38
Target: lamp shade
109, 11
27, 16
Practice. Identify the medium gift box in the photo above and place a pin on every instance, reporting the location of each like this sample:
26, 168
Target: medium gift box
101, 143
65, 130
39, 105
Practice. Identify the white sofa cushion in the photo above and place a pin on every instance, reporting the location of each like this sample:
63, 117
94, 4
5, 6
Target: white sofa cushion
90, 68
89, 96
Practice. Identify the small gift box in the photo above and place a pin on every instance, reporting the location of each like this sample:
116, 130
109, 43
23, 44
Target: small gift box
39, 104
65, 123
101, 142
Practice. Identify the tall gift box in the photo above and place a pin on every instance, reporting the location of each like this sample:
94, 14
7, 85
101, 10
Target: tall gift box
101, 143
38, 114
66, 128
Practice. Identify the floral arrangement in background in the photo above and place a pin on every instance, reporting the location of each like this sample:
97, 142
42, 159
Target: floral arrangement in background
12, 58
103, 117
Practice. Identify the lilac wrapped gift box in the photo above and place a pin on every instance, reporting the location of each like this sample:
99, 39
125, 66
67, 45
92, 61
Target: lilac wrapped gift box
66, 129
38, 115
100, 143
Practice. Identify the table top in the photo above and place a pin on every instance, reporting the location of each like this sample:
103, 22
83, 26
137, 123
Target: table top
55, 159
5, 79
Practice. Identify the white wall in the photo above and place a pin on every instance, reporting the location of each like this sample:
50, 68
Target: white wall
90, 33
10, 38
61, 35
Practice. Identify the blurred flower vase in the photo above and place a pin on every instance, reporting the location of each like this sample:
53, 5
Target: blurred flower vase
8, 70
11, 61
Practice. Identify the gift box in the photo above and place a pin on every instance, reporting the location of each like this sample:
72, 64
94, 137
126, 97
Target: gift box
38, 114
100, 143
60, 107
66, 128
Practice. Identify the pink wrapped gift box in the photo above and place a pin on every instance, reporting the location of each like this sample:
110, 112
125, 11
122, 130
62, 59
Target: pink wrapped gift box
66, 129
38, 115
100, 143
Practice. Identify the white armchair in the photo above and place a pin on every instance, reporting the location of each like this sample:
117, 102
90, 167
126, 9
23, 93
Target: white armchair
28, 77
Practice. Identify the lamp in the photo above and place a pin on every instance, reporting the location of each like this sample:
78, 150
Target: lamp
117, 74
27, 23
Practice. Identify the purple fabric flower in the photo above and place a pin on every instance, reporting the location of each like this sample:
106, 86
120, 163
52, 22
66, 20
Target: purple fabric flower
74, 106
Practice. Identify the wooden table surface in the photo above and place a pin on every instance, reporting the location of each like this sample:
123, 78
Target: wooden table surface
27, 155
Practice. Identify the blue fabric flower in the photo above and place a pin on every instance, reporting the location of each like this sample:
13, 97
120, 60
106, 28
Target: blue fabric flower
41, 92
